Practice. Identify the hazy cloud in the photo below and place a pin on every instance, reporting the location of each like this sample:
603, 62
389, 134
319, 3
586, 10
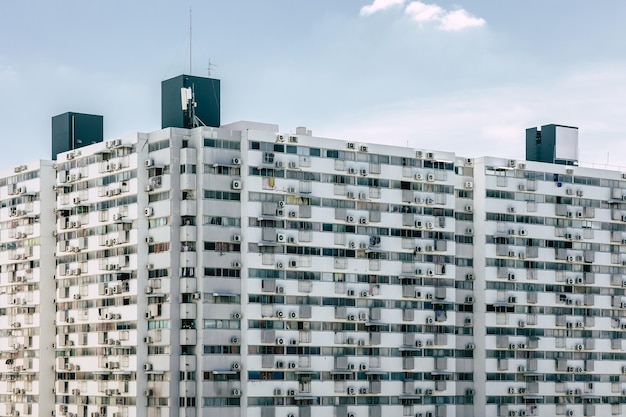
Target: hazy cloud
454, 20
379, 5
492, 121
6, 71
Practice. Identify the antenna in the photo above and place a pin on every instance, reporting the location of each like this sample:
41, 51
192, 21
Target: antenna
190, 39
211, 65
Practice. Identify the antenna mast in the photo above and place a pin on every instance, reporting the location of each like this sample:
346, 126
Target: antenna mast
190, 39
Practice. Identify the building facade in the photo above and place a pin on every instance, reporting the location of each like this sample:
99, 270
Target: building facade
240, 271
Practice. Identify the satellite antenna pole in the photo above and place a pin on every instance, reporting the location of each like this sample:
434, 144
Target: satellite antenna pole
190, 39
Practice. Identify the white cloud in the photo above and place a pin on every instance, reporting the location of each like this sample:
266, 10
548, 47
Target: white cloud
379, 5
422, 12
454, 20
459, 20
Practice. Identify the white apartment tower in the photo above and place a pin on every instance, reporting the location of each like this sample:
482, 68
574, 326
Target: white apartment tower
240, 271
26, 284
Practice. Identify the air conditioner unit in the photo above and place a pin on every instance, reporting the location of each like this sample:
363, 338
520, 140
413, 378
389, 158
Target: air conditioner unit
280, 138
429, 225
147, 367
419, 177
279, 313
363, 220
429, 320
236, 264
280, 364
293, 165
293, 264
293, 214
365, 293
236, 185
148, 163
148, 393
351, 317
236, 315
148, 211
236, 161
350, 293
147, 339
350, 219
235, 365
469, 277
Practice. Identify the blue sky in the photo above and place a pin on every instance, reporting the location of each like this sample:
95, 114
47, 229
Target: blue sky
465, 77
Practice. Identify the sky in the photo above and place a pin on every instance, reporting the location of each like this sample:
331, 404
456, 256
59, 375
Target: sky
464, 77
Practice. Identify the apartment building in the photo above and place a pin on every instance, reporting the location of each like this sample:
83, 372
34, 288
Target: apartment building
237, 270
549, 289
26, 286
